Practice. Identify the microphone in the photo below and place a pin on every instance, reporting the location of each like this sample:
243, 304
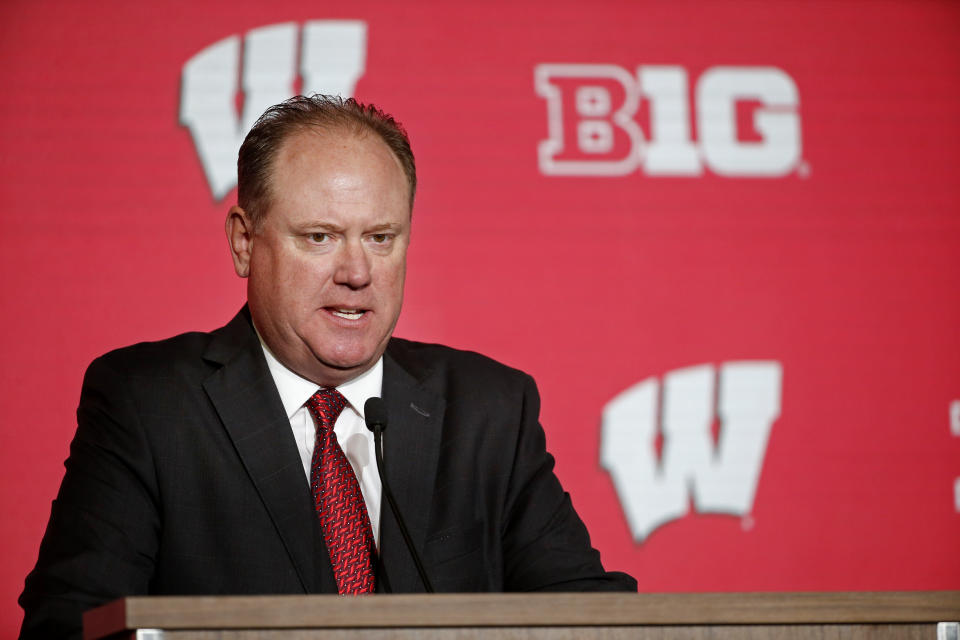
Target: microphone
375, 415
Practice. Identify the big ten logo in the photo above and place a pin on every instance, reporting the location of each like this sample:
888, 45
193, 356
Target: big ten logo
603, 121
702, 440
219, 102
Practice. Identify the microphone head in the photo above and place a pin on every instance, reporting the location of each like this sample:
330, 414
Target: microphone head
375, 414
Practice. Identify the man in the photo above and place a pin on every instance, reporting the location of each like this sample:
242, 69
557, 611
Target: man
208, 463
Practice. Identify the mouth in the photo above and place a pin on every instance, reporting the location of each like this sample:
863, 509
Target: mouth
348, 314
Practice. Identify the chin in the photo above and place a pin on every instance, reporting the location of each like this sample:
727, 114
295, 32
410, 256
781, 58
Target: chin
353, 364
349, 358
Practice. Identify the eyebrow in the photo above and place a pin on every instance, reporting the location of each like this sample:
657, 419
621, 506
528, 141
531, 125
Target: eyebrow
386, 226
308, 227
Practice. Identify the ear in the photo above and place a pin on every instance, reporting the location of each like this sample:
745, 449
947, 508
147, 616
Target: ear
240, 238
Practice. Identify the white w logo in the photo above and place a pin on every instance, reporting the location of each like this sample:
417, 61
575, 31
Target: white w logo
332, 57
721, 477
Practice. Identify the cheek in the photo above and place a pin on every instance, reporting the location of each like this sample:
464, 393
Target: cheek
395, 272
289, 287
296, 273
393, 284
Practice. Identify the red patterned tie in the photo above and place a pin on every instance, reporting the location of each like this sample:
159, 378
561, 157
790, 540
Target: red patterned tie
338, 501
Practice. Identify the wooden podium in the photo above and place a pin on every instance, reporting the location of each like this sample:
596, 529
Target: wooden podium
920, 615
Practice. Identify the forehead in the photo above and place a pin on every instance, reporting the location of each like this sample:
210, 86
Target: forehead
336, 171
317, 150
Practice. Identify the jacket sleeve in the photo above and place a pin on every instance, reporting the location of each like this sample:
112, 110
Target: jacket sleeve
102, 536
546, 545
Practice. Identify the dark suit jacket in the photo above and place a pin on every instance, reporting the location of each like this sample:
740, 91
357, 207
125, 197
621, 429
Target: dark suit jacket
184, 478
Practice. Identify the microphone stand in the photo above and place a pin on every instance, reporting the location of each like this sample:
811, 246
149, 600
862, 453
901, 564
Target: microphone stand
377, 426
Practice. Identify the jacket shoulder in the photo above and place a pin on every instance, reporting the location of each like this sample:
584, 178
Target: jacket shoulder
464, 374
154, 358
448, 360
196, 350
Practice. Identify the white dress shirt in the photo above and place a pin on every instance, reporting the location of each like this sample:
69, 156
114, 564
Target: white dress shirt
351, 430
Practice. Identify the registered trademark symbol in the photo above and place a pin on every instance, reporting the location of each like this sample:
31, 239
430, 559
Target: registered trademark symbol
803, 169
746, 522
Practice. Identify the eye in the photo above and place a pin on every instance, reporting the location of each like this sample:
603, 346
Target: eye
380, 238
319, 237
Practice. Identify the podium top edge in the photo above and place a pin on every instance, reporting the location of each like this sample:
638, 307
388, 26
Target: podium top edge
519, 610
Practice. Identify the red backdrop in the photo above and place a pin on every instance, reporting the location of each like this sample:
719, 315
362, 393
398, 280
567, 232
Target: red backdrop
786, 197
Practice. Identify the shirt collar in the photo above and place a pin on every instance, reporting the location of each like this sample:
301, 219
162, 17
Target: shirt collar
295, 390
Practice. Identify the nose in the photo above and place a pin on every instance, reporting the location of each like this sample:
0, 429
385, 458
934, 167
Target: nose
353, 266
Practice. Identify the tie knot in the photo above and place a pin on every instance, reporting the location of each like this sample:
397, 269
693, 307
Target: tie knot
325, 406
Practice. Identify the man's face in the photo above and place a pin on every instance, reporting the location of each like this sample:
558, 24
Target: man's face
326, 269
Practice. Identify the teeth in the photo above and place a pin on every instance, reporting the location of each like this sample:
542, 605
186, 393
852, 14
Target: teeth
349, 314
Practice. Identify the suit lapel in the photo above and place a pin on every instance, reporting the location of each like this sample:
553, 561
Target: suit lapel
246, 399
411, 444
